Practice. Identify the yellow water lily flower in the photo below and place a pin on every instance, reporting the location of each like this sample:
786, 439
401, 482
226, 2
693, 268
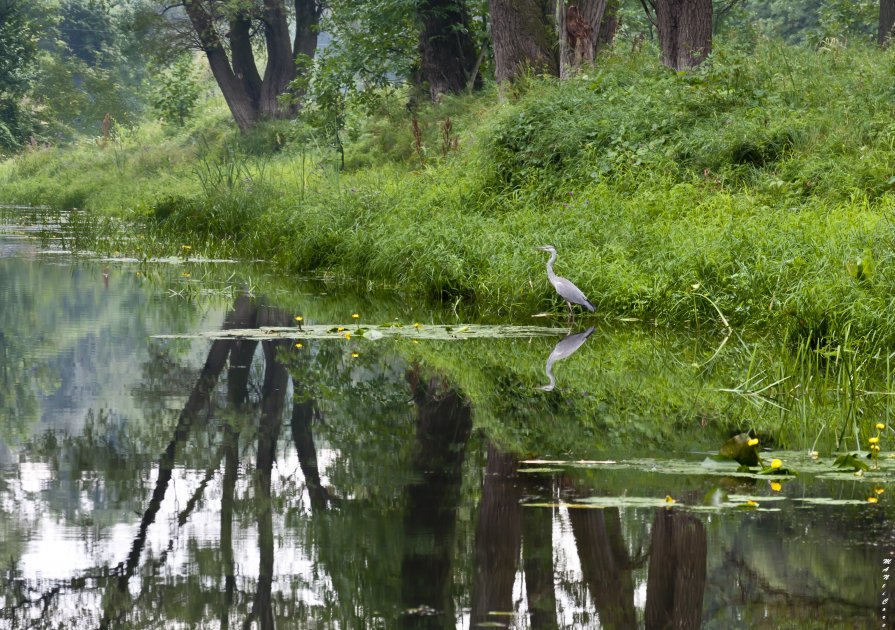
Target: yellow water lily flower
298, 345
874, 440
299, 318
417, 325
776, 486
879, 490
752, 442
776, 463
354, 355
752, 503
880, 426
347, 335
872, 500
340, 329
669, 499
355, 315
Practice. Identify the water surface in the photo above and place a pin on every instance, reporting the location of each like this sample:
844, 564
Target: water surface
410, 482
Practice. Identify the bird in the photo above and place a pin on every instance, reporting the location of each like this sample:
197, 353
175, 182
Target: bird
566, 288
564, 349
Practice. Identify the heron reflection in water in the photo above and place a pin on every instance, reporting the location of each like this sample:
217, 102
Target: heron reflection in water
564, 349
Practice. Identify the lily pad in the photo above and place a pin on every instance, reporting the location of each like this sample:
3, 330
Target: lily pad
335, 331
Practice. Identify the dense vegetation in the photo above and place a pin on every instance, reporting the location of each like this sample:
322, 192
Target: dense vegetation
753, 190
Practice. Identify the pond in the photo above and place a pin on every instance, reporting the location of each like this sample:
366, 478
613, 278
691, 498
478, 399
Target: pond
179, 450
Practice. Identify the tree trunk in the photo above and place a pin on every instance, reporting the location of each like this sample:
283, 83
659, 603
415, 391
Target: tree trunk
521, 31
608, 25
578, 28
447, 52
249, 95
685, 32
886, 21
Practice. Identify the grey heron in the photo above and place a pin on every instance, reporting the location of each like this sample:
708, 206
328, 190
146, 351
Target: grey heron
565, 287
562, 350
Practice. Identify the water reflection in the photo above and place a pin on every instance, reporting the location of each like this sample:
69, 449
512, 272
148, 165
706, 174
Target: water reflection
388, 501
562, 350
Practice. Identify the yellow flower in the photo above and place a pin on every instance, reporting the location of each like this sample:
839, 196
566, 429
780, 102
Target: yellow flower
752, 503
299, 318
298, 345
814, 454
415, 341
185, 247
776, 463
752, 442
872, 500
340, 329
355, 315
880, 426
185, 274
879, 490
874, 440
776, 486
417, 325
347, 335
874, 448
355, 355
669, 499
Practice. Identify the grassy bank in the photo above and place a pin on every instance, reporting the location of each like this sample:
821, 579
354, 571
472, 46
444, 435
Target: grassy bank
760, 187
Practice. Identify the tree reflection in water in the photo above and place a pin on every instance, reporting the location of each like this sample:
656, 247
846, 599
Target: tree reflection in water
411, 519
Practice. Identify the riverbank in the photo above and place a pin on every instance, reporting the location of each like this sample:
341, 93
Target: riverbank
756, 192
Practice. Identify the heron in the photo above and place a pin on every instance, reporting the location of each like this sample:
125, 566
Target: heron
565, 287
563, 350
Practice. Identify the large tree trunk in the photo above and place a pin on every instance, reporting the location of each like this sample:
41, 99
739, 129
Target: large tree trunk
521, 31
578, 27
608, 25
447, 52
249, 95
685, 32
886, 21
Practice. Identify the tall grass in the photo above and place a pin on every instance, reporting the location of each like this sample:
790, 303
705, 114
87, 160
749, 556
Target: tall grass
762, 182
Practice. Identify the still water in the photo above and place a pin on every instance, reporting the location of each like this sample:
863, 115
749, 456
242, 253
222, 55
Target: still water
154, 477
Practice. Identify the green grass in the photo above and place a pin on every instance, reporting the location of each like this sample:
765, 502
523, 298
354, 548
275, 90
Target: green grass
761, 185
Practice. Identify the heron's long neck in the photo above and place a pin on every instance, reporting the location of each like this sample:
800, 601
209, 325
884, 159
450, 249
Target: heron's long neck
550, 273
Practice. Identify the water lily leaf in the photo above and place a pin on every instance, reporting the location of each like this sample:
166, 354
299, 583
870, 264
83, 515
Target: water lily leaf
852, 461
541, 470
739, 449
830, 501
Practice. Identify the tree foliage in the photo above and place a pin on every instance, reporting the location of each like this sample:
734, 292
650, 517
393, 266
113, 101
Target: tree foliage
18, 47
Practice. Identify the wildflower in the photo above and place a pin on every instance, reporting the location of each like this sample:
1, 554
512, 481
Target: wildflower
298, 345
299, 318
354, 355
776, 486
874, 440
669, 499
776, 463
752, 442
355, 315
872, 500
880, 426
